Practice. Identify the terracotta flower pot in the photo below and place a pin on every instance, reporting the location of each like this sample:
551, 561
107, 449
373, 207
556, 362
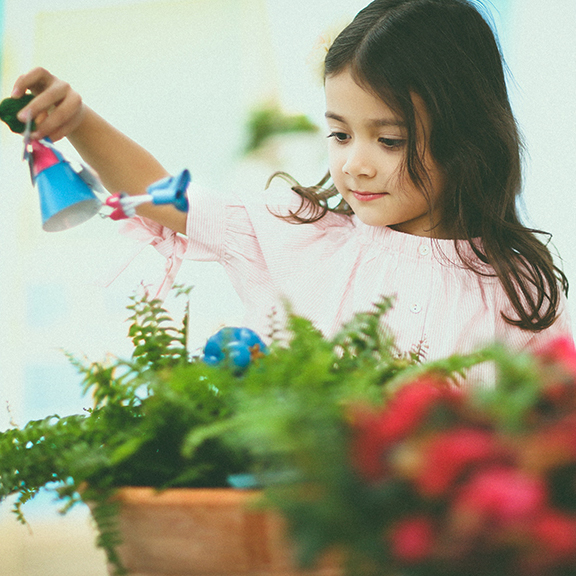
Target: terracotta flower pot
203, 532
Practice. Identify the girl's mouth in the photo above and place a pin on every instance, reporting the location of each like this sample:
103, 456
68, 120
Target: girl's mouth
367, 196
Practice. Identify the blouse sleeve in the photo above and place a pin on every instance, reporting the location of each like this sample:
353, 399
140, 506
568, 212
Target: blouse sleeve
218, 229
204, 241
171, 245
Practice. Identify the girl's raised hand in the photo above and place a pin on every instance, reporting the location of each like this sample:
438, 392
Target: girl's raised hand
57, 109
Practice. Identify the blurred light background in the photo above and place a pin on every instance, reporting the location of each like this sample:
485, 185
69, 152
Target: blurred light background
181, 78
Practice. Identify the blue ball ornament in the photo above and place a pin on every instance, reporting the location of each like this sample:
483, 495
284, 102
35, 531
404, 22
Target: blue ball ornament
238, 346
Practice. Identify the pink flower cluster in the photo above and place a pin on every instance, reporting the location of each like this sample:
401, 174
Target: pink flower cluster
484, 498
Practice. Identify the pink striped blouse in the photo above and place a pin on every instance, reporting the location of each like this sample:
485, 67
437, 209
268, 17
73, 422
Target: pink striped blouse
331, 269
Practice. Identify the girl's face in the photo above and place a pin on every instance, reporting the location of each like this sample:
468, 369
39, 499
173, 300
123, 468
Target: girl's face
367, 149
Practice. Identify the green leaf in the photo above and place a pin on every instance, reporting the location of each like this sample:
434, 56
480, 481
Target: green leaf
9, 108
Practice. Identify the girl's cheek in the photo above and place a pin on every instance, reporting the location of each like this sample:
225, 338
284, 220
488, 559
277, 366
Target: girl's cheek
340, 155
335, 162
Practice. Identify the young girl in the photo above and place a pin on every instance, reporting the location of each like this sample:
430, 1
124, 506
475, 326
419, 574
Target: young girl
424, 159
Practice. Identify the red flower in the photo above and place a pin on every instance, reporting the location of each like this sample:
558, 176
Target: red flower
375, 432
412, 539
562, 351
450, 454
557, 533
505, 495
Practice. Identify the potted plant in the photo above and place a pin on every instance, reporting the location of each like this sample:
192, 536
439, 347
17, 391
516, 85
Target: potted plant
163, 420
167, 434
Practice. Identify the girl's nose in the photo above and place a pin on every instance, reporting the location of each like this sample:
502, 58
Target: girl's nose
358, 163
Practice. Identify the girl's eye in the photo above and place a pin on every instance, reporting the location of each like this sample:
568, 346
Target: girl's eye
393, 143
339, 136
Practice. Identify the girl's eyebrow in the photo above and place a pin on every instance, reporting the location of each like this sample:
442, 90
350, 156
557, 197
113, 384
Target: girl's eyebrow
377, 122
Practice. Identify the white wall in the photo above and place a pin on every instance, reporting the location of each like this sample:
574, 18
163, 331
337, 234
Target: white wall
542, 57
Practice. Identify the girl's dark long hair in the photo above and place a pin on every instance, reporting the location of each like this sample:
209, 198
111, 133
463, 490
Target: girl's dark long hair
445, 51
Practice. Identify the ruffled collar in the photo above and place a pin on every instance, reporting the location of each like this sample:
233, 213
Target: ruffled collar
446, 251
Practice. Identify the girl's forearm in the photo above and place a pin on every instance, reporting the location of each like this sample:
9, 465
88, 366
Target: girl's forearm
123, 165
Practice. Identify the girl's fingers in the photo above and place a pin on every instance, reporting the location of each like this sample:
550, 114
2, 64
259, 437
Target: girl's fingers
62, 119
37, 80
40, 118
47, 88
56, 108
51, 96
60, 132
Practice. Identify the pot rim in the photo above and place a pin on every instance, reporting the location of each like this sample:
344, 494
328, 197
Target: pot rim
216, 497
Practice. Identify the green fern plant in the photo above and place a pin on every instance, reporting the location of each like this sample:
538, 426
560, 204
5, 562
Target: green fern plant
164, 419
142, 408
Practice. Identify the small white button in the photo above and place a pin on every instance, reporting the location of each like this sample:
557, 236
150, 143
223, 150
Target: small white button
424, 249
415, 308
